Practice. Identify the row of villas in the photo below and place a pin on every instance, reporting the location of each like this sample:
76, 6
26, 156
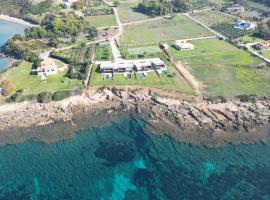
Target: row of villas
125, 66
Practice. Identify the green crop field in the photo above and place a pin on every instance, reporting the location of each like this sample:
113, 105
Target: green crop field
32, 84
203, 47
128, 14
174, 82
33, 45
230, 74
179, 27
101, 20
104, 52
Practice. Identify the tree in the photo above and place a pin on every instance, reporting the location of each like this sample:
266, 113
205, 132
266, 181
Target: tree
116, 3
7, 87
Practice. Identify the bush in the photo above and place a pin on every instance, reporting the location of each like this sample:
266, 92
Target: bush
243, 98
7, 87
217, 99
44, 97
60, 95
17, 97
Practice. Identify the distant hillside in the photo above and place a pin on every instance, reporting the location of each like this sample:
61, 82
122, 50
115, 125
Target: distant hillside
22, 8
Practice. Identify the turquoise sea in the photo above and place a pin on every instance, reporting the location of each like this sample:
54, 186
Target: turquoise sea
123, 161
7, 30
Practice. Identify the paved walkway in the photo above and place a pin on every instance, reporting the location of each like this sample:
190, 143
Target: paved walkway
115, 51
254, 52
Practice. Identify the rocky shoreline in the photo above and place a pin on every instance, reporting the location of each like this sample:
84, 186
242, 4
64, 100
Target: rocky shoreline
212, 123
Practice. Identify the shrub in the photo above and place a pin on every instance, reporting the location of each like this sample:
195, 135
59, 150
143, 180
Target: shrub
243, 98
17, 97
44, 97
60, 95
7, 87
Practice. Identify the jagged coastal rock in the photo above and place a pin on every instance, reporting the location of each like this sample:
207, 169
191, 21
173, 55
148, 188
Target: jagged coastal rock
164, 114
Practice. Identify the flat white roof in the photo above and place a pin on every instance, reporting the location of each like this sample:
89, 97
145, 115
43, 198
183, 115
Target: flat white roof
130, 63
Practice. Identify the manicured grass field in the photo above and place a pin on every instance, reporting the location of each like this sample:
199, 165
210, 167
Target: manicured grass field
140, 52
203, 47
128, 14
179, 27
32, 84
104, 52
101, 20
173, 83
230, 74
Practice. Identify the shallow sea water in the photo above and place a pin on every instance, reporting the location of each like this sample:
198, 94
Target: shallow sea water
7, 31
121, 162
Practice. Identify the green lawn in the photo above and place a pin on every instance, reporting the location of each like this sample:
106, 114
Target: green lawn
104, 52
202, 47
230, 74
179, 27
140, 52
266, 54
128, 14
33, 84
173, 83
101, 20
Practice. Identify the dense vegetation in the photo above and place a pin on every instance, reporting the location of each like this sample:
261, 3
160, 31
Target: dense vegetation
265, 2
52, 29
162, 7
264, 30
22, 8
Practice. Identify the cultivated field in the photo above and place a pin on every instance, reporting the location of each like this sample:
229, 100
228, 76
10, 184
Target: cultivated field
128, 14
32, 45
221, 23
179, 27
77, 54
104, 52
230, 74
101, 20
32, 84
173, 82
203, 47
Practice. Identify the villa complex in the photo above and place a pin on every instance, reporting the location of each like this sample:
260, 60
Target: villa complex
47, 67
265, 45
244, 25
124, 66
182, 45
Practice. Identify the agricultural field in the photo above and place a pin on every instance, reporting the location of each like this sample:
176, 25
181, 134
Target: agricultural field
140, 52
127, 13
104, 52
173, 82
203, 47
101, 20
179, 27
33, 45
73, 55
32, 84
223, 24
230, 74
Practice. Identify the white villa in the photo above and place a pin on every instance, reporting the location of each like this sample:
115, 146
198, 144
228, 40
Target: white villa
127, 66
244, 25
69, 3
47, 67
183, 45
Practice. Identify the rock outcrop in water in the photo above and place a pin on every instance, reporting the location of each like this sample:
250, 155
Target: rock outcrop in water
164, 114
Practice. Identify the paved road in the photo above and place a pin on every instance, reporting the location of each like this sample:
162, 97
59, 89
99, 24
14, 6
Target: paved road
251, 50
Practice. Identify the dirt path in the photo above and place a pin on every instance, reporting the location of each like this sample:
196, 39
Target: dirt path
188, 77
